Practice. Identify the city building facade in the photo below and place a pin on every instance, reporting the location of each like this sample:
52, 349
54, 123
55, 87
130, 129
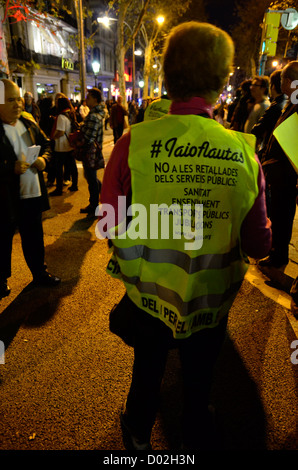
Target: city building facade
41, 52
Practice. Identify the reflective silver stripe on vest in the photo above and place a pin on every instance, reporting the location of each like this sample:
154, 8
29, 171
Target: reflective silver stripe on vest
179, 258
185, 308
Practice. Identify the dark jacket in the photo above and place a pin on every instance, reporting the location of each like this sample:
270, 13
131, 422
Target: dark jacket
275, 163
264, 127
118, 112
9, 181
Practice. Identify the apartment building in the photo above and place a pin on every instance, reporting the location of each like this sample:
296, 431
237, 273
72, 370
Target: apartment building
43, 52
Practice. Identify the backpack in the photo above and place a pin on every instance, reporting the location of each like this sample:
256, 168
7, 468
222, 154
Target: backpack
74, 124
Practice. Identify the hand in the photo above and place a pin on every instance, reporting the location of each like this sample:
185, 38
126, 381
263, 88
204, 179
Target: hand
20, 167
39, 164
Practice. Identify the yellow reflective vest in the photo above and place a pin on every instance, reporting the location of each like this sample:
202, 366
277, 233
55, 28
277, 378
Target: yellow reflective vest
193, 183
156, 109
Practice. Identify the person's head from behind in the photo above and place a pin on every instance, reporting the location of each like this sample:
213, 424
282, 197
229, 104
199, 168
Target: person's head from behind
275, 83
245, 87
93, 98
47, 103
59, 95
198, 58
63, 104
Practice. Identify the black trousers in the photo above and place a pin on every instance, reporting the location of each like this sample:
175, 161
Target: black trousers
282, 188
29, 224
198, 355
66, 168
118, 131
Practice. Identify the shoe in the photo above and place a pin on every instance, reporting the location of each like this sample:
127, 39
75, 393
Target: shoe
88, 210
4, 289
56, 192
270, 263
73, 188
131, 442
47, 280
66, 183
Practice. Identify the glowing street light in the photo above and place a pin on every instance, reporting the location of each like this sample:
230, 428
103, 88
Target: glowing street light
160, 19
105, 20
95, 68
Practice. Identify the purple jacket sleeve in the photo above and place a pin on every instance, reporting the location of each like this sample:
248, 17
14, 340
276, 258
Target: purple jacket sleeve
117, 178
256, 237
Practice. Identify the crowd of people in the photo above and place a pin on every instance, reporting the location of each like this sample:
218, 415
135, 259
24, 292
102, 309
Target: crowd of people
260, 105
182, 285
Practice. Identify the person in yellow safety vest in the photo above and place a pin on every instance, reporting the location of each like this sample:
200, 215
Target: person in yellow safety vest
193, 194
157, 108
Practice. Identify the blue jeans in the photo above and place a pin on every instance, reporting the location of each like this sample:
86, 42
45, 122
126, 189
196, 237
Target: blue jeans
94, 186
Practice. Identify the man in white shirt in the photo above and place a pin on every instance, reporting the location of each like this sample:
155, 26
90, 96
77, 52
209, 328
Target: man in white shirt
24, 153
259, 92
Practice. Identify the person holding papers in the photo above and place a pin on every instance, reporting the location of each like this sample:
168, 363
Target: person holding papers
281, 177
24, 154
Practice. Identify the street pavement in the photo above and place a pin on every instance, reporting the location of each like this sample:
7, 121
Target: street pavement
66, 376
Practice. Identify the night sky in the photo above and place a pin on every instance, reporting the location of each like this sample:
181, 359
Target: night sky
220, 12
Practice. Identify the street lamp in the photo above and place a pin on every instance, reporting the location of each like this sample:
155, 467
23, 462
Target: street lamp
95, 68
160, 19
105, 20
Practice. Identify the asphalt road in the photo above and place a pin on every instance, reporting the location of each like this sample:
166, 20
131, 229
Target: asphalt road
66, 376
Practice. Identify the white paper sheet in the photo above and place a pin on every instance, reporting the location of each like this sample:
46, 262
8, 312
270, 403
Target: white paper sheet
32, 153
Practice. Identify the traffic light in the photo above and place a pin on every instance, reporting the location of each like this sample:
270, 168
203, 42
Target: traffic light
270, 33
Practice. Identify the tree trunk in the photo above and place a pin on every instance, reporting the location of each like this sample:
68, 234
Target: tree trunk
147, 67
121, 70
253, 67
120, 51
